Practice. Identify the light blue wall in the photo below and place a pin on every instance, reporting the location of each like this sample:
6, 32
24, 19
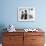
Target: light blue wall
8, 14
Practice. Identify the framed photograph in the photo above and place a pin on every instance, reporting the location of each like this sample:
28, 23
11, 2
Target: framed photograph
26, 14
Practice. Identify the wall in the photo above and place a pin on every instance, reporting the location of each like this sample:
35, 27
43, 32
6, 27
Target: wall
9, 13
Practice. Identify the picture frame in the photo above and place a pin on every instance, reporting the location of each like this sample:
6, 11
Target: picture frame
26, 14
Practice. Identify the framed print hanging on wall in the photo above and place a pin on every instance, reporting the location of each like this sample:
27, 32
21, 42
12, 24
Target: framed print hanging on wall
26, 14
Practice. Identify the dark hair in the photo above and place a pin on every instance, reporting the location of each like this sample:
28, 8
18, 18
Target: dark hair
25, 10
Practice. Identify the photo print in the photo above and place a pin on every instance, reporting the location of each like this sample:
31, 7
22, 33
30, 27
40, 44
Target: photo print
26, 14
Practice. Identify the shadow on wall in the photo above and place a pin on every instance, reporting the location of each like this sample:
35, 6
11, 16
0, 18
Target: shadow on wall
2, 26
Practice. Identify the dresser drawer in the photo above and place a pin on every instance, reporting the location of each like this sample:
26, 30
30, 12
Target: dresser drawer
37, 44
37, 39
13, 44
34, 33
13, 33
12, 39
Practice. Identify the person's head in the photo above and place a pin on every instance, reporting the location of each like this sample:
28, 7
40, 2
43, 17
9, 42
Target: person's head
25, 10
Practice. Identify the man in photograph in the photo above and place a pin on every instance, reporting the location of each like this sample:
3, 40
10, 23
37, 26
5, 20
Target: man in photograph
25, 14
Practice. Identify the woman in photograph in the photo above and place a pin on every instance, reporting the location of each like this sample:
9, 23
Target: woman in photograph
22, 15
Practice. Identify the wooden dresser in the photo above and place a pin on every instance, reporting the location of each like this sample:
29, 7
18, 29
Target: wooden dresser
23, 39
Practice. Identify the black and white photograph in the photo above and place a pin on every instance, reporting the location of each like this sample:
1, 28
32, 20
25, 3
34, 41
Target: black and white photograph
26, 14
